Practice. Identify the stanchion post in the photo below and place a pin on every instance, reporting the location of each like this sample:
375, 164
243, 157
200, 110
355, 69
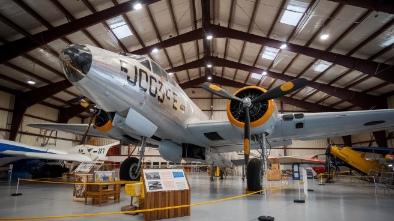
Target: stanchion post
17, 188
265, 157
299, 200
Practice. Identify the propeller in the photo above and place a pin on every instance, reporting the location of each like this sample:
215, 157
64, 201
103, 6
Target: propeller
94, 109
247, 103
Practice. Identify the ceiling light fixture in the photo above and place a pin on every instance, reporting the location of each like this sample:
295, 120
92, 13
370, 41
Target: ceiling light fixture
31, 82
209, 37
265, 73
155, 50
324, 36
209, 65
209, 77
283, 46
137, 6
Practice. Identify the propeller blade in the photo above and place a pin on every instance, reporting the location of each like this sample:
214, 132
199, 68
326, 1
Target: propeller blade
247, 135
282, 90
219, 91
87, 130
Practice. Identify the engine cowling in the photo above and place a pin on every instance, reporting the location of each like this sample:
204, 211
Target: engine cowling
262, 114
102, 122
170, 151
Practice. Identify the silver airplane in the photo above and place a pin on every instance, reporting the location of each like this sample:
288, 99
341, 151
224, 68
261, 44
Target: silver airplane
140, 102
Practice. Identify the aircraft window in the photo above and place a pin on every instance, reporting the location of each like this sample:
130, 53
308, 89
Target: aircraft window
171, 80
155, 68
163, 73
146, 63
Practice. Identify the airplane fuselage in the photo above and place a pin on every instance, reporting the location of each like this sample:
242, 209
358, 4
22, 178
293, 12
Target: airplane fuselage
117, 83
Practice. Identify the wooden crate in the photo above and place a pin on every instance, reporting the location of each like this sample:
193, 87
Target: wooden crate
274, 175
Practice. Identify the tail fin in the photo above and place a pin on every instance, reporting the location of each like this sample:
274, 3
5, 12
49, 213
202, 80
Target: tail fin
94, 152
99, 152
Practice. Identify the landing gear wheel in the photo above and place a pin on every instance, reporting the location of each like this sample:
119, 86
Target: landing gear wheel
253, 175
128, 169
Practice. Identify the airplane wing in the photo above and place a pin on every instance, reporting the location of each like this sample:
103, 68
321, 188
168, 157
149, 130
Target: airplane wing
334, 124
70, 128
295, 159
49, 156
378, 150
114, 133
224, 137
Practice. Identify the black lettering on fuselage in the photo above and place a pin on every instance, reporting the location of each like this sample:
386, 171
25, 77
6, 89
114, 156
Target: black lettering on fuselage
134, 81
142, 72
122, 66
161, 98
168, 96
156, 87
153, 93
175, 101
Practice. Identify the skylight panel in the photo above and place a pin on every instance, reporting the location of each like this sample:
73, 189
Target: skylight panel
119, 27
389, 41
322, 66
293, 12
256, 76
270, 53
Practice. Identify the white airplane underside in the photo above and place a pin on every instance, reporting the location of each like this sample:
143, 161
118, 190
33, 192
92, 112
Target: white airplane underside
141, 100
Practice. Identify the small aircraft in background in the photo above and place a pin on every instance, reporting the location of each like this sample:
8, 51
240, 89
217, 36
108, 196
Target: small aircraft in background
11, 151
138, 102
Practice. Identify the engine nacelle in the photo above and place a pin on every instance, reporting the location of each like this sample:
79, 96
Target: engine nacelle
102, 122
262, 114
170, 151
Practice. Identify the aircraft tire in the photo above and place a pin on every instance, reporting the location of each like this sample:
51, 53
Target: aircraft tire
127, 165
253, 175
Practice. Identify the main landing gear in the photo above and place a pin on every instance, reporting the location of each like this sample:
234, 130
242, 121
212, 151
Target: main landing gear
130, 168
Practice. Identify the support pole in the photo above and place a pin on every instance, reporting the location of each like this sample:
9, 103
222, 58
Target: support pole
265, 183
17, 188
299, 200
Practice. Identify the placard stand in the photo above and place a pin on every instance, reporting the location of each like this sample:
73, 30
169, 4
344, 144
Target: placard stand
161, 190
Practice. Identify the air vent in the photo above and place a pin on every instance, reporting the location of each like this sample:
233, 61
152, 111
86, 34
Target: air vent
213, 136
298, 116
374, 123
299, 125
287, 117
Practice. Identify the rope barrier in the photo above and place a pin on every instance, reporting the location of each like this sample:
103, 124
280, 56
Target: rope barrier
141, 210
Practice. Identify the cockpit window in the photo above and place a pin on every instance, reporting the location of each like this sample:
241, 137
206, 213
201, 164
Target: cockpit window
146, 63
143, 60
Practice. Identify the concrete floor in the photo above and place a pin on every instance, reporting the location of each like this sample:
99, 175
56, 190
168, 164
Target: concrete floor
343, 200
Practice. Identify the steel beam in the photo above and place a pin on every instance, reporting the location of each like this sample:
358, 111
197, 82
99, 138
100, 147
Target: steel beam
357, 98
380, 138
380, 6
26, 44
347, 140
65, 114
27, 99
379, 70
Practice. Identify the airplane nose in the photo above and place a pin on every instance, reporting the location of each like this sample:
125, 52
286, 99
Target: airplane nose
76, 61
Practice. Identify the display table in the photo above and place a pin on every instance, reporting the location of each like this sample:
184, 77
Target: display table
100, 192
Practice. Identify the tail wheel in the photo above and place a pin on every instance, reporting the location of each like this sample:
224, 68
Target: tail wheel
128, 169
253, 175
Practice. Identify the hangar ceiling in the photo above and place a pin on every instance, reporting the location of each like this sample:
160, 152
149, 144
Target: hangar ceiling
344, 47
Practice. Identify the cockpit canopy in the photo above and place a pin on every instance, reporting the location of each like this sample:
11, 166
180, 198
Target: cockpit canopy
152, 66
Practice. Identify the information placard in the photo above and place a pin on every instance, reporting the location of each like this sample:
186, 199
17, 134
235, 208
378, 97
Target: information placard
164, 180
